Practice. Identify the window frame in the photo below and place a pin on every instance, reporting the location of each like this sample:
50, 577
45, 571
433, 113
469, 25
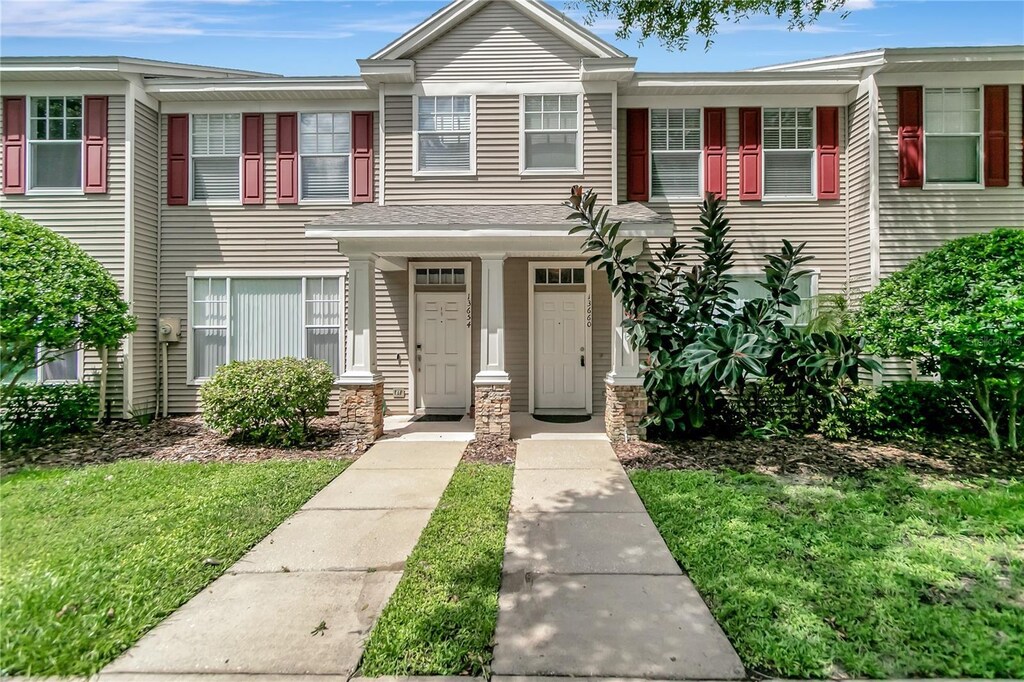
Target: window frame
416, 170
228, 276
948, 184
79, 370
650, 156
813, 195
348, 198
758, 273
578, 169
192, 201
30, 156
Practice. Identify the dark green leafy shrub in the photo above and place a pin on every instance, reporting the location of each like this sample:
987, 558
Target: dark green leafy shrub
909, 409
31, 414
267, 401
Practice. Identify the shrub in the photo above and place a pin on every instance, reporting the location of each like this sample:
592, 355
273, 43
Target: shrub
31, 414
908, 409
267, 401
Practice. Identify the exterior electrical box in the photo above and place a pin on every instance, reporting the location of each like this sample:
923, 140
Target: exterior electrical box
169, 330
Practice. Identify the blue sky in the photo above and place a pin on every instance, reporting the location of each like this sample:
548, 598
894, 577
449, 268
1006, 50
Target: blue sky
325, 37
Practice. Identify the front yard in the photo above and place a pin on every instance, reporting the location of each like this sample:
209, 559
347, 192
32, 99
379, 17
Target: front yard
93, 557
883, 574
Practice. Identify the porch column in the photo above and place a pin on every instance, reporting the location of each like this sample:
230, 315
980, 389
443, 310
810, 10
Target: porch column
362, 386
625, 398
492, 393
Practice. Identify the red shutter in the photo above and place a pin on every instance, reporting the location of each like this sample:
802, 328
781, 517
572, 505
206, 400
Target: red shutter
637, 163
997, 136
95, 145
14, 145
252, 158
362, 156
177, 159
287, 158
910, 104
828, 152
750, 154
714, 151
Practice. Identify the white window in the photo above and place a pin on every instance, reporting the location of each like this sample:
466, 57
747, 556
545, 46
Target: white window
952, 135
324, 146
559, 276
245, 318
444, 134
442, 276
675, 152
748, 289
55, 143
789, 152
62, 369
216, 157
551, 133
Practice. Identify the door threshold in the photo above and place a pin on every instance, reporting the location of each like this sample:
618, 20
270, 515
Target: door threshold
562, 412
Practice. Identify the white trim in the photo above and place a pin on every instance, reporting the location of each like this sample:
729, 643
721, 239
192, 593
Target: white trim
380, 143
950, 79
523, 170
267, 274
703, 100
550, 87
782, 198
615, 148
128, 286
874, 218
588, 330
411, 350
62, 88
270, 107
700, 158
416, 140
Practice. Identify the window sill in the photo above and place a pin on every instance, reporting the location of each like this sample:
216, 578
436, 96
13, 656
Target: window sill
444, 174
662, 198
69, 192
325, 202
551, 171
940, 186
807, 199
195, 202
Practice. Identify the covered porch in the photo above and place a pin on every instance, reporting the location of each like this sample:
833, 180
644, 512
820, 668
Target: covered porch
454, 310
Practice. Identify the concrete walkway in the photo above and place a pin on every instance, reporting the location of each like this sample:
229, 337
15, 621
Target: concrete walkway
304, 599
589, 588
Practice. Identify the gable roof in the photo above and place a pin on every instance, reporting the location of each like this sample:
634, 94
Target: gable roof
455, 13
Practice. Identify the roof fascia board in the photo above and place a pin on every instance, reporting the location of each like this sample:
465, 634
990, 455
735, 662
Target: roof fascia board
950, 79
128, 65
742, 79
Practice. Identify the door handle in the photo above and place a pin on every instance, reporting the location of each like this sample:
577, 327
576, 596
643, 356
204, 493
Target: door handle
583, 361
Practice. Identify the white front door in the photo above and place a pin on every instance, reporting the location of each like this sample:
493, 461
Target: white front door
441, 351
560, 374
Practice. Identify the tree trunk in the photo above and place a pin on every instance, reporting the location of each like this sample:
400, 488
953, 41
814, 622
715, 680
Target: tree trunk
1011, 411
985, 407
103, 383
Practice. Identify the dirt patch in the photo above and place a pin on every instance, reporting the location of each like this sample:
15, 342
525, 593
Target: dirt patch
491, 451
816, 456
176, 439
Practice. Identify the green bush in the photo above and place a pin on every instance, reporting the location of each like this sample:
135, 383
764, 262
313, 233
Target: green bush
267, 401
31, 414
909, 409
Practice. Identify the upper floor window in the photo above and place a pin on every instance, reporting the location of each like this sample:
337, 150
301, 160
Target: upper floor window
324, 146
789, 152
551, 133
675, 152
216, 157
444, 134
952, 135
55, 143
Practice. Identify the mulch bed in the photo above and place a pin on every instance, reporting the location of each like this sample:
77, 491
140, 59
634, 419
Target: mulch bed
490, 451
816, 456
176, 439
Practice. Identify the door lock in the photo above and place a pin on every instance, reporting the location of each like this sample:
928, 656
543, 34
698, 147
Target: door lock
583, 361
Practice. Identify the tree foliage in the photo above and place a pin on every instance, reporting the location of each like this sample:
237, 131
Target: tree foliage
704, 345
959, 311
53, 296
673, 21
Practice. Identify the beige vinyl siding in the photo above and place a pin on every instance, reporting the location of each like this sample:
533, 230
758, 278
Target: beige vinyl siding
758, 227
913, 221
267, 237
145, 216
497, 157
393, 337
859, 206
498, 43
96, 222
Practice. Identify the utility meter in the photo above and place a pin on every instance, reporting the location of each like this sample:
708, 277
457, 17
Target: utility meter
170, 329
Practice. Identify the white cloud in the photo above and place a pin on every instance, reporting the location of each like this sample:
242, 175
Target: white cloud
856, 5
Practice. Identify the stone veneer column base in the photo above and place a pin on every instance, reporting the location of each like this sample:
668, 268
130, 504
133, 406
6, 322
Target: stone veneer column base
492, 404
624, 408
362, 411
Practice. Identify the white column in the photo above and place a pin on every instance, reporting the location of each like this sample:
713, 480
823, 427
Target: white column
361, 330
492, 320
625, 358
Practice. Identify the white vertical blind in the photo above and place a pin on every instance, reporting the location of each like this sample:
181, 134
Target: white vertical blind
266, 318
209, 325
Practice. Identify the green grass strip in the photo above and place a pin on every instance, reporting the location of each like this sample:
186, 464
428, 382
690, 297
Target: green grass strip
883, 576
441, 618
93, 557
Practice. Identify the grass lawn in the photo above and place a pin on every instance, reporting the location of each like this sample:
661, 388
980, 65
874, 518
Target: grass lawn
441, 618
94, 557
888, 575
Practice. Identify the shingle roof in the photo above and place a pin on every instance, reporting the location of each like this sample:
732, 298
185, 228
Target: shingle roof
477, 216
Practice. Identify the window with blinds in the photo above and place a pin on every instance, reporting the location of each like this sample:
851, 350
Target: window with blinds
952, 135
216, 153
788, 142
324, 156
748, 288
55, 143
444, 130
675, 153
551, 132
236, 318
